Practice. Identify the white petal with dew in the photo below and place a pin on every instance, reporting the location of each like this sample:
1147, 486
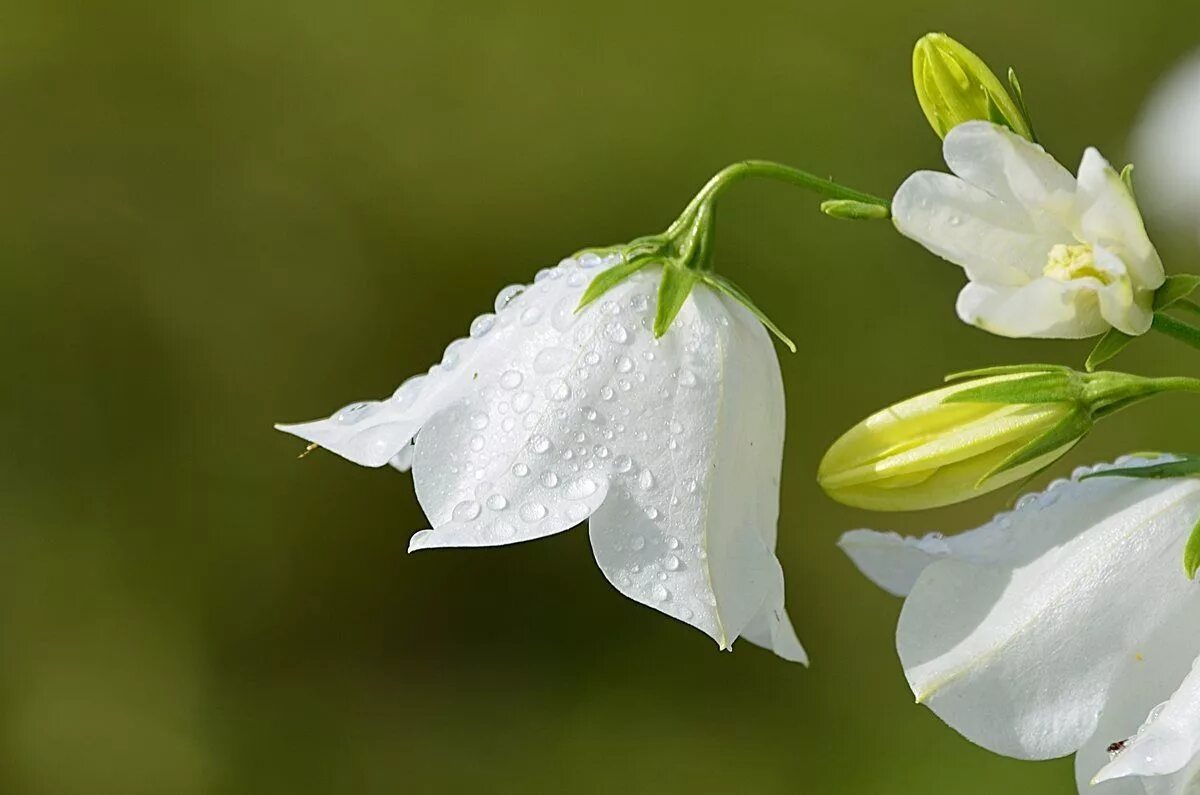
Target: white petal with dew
689, 525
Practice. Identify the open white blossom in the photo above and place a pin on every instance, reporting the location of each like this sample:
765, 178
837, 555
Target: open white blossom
1166, 149
1064, 626
1047, 255
544, 417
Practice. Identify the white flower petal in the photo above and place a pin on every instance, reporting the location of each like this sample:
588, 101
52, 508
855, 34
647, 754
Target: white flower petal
1170, 738
1109, 217
994, 241
1019, 656
1128, 309
1044, 308
689, 525
529, 450
1014, 170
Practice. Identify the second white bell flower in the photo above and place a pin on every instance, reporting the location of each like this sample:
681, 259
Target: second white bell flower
545, 417
1047, 254
1064, 626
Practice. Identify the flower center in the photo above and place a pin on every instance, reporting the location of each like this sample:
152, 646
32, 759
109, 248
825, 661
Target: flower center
1077, 261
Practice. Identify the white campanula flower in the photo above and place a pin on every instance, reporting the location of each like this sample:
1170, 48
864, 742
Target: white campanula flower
545, 416
1047, 254
1064, 626
1166, 144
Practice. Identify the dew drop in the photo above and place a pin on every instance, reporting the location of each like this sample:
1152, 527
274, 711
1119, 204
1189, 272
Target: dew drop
522, 401
581, 489
624, 364
507, 295
671, 563
520, 470
465, 511
637, 543
687, 378
482, 325
354, 413
531, 315
622, 463
589, 260
453, 354
496, 502
558, 390
606, 393
479, 420
646, 479
533, 512
477, 443
511, 379
661, 594
549, 480
616, 332
539, 444
673, 543
691, 485
563, 316
652, 512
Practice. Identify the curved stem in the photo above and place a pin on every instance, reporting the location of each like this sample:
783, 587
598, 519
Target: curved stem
1176, 329
766, 169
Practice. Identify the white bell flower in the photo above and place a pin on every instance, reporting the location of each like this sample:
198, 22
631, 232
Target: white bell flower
543, 417
1165, 146
1047, 254
1064, 626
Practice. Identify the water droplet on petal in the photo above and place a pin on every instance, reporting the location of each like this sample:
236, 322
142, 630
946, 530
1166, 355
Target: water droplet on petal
646, 479
496, 502
671, 563
355, 412
533, 512
531, 315
661, 594
522, 401
507, 295
622, 463
477, 442
465, 511
482, 325
453, 354
589, 260
637, 543
479, 420
581, 489
616, 332
520, 470
557, 389
549, 479
539, 444
511, 379
624, 364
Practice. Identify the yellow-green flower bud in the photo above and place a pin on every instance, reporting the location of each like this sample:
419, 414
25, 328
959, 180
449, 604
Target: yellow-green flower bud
954, 86
927, 451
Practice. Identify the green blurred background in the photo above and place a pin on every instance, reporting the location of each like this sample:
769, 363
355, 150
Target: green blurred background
218, 215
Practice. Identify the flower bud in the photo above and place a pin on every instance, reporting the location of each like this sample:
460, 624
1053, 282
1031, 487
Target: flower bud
954, 86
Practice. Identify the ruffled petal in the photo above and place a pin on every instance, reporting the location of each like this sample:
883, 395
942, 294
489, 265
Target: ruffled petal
1109, 217
1013, 170
1044, 308
1019, 654
1127, 308
994, 241
689, 525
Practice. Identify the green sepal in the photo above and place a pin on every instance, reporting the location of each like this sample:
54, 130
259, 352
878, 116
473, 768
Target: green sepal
673, 291
1055, 387
1191, 553
719, 282
1187, 466
1177, 287
1007, 369
608, 279
1112, 343
1127, 178
850, 210
996, 116
1018, 95
1069, 430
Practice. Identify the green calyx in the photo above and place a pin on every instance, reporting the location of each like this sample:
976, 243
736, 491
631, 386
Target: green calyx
685, 250
1084, 398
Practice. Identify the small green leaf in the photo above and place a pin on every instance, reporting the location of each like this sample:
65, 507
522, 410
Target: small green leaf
1007, 369
676, 285
1127, 178
1019, 96
996, 116
1112, 343
851, 210
1033, 388
1181, 331
1177, 287
1061, 437
718, 282
606, 280
1191, 553
1186, 466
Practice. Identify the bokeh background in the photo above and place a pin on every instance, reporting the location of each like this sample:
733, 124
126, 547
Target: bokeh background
218, 215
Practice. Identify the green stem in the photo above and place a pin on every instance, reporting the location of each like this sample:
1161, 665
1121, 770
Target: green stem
1176, 329
766, 169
